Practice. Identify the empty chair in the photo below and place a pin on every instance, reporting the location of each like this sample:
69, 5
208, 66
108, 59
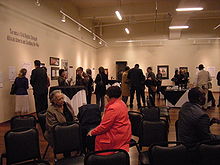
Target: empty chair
153, 132
89, 117
176, 128
66, 140
23, 121
42, 122
161, 155
23, 145
209, 154
151, 113
136, 119
118, 157
164, 112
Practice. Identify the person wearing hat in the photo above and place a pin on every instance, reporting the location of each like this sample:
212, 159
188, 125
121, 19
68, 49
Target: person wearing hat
202, 81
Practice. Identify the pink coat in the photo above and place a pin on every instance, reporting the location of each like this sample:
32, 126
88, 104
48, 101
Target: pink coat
114, 132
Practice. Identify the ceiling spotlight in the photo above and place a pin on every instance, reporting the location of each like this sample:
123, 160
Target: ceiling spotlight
37, 2
118, 15
100, 42
63, 18
79, 28
94, 37
127, 31
178, 27
190, 9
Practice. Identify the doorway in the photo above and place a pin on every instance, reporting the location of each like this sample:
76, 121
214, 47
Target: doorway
120, 67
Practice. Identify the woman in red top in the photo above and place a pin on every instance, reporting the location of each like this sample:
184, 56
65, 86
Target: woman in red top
114, 131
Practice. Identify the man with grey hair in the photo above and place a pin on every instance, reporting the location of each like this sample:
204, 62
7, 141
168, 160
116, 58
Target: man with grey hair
58, 112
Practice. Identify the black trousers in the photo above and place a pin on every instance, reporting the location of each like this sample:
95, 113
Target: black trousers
125, 99
151, 96
138, 95
41, 102
102, 99
89, 97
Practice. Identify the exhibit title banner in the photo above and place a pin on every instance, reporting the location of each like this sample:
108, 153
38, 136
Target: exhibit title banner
22, 38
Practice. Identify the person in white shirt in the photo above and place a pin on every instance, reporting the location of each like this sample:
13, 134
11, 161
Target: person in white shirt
202, 81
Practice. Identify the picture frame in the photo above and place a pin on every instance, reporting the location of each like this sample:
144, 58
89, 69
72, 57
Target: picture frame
164, 69
64, 64
54, 73
54, 61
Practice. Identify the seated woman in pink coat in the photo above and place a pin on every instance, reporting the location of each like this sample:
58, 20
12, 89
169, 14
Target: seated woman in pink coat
114, 131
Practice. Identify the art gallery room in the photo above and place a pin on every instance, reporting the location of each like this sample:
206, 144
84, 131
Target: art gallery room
126, 82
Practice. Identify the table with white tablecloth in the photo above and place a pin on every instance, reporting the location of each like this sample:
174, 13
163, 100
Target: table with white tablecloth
176, 98
74, 95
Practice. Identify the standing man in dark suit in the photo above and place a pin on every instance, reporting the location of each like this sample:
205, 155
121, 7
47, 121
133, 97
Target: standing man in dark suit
40, 89
218, 79
136, 80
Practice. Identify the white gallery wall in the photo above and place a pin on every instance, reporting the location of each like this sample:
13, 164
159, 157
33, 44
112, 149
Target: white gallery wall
175, 53
55, 39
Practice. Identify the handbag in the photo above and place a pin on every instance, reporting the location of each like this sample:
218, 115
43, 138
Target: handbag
209, 85
13, 89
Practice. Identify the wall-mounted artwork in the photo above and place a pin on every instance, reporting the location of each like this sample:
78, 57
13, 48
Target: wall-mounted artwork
54, 61
64, 64
54, 73
164, 69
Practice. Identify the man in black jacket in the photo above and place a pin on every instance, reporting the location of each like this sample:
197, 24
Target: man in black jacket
136, 81
194, 123
40, 89
218, 79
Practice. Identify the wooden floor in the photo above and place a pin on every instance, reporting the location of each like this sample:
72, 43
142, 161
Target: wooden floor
4, 127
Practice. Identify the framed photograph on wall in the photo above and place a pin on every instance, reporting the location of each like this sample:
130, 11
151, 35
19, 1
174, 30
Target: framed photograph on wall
54, 73
54, 61
164, 69
64, 64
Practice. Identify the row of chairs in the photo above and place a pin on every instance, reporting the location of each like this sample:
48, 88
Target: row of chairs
162, 154
147, 132
22, 145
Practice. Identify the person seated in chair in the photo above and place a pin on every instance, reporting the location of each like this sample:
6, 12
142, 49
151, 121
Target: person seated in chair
58, 112
194, 123
114, 131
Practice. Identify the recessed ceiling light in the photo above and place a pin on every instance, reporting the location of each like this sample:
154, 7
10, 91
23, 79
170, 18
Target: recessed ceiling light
178, 27
63, 18
37, 2
118, 15
127, 30
190, 9
94, 37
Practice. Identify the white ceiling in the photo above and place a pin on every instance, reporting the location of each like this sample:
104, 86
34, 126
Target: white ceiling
145, 20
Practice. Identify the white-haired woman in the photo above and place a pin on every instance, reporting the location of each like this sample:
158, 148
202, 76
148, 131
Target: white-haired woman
58, 112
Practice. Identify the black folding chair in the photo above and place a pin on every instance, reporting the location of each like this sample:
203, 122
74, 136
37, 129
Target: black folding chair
42, 123
89, 117
159, 154
107, 157
23, 121
136, 119
66, 140
151, 113
209, 153
153, 132
176, 128
22, 146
